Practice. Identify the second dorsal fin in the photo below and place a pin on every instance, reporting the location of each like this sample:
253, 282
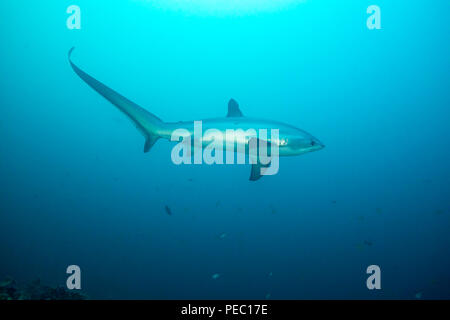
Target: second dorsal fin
233, 109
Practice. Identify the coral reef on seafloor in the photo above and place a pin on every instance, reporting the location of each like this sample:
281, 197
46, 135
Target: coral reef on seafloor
9, 290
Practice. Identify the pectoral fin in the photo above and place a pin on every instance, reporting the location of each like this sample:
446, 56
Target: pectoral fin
255, 173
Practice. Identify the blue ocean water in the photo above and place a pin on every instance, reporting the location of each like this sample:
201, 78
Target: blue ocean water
76, 187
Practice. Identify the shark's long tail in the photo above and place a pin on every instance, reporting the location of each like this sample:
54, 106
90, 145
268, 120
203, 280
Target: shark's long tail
147, 123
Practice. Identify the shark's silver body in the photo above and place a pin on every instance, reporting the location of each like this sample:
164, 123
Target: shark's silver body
294, 141
291, 141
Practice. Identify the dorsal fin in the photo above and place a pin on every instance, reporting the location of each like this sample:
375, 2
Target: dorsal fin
233, 109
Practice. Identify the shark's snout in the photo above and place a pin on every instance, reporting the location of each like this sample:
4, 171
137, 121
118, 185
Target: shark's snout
317, 144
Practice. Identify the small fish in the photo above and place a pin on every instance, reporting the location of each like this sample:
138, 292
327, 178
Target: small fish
418, 295
378, 210
223, 235
217, 203
268, 295
168, 211
270, 273
215, 276
368, 243
438, 212
333, 201
272, 209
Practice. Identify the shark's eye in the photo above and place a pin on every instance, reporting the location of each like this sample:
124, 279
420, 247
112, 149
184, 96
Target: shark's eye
313, 142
